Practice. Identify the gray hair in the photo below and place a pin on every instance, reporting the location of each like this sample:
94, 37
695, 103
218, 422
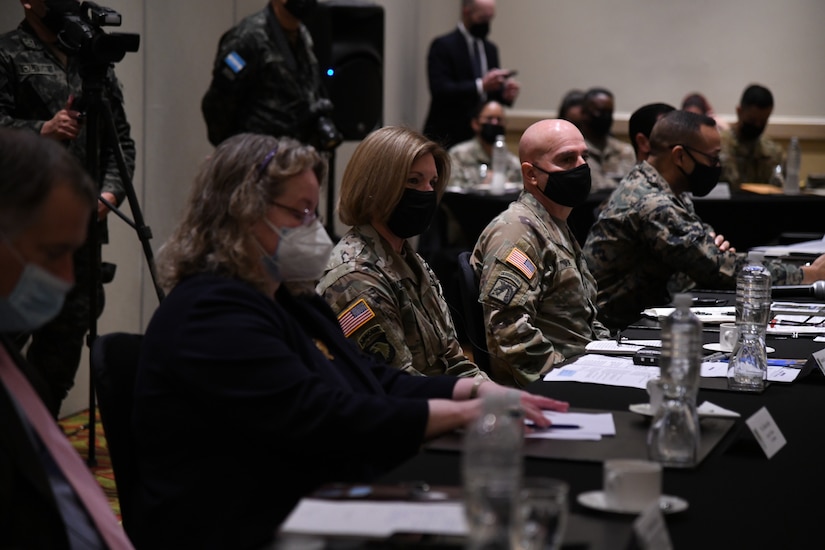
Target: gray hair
30, 167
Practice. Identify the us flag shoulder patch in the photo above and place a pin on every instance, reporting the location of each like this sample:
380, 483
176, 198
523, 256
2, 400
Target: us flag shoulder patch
355, 316
520, 261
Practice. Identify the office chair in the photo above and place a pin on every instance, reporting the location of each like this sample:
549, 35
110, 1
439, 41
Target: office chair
472, 312
114, 361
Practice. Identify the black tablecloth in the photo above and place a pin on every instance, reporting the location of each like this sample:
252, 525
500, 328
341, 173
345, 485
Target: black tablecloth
737, 497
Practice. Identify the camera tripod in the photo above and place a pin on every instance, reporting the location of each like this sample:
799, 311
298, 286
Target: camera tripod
99, 117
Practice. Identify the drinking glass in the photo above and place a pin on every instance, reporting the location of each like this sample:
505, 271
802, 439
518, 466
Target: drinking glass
539, 516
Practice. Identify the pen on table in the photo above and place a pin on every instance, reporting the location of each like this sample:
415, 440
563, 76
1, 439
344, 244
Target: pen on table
716, 356
556, 427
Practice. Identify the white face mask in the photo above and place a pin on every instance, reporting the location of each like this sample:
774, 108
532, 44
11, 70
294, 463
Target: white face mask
301, 254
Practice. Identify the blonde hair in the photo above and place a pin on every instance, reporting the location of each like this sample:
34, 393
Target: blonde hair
231, 192
375, 176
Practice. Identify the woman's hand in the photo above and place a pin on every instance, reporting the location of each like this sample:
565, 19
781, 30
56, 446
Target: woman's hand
531, 403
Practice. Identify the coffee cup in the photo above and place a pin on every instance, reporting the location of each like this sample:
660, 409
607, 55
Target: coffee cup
631, 484
728, 336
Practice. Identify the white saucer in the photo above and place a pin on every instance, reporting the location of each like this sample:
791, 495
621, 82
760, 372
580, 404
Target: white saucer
715, 346
644, 409
596, 501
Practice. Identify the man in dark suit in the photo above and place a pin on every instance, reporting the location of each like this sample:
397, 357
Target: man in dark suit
463, 69
48, 497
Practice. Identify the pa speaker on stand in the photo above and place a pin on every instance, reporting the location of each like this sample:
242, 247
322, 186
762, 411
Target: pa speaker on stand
348, 38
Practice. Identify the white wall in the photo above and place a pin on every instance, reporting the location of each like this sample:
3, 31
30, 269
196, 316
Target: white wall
644, 50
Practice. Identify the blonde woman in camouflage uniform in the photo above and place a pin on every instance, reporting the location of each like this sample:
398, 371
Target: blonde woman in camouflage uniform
387, 298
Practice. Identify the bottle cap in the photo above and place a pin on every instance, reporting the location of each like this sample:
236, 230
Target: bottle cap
756, 256
683, 299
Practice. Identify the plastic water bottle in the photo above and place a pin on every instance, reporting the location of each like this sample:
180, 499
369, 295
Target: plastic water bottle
492, 468
792, 164
673, 438
499, 166
748, 367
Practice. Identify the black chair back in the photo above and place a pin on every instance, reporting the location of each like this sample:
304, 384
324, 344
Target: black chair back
472, 312
114, 361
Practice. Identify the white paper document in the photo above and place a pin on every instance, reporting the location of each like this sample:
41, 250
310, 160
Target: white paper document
718, 369
708, 315
375, 518
602, 369
588, 426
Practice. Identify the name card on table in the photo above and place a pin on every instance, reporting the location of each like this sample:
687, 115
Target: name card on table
819, 357
650, 529
766, 432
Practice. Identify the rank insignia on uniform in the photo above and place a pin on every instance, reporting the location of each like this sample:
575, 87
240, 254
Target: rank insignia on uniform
322, 347
520, 261
235, 62
355, 316
503, 290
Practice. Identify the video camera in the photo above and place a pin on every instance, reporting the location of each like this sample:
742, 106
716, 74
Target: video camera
316, 126
79, 33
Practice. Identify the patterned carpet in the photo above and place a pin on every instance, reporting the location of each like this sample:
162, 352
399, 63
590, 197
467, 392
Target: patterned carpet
76, 427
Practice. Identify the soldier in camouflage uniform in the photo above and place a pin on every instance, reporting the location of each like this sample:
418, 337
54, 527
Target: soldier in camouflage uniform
40, 90
747, 155
648, 234
610, 159
387, 299
265, 78
468, 156
537, 293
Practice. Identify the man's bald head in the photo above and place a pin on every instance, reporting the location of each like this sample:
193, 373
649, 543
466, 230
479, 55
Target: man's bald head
546, 136
549, 147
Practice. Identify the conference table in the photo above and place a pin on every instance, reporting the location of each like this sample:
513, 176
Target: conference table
737, 497
745, 219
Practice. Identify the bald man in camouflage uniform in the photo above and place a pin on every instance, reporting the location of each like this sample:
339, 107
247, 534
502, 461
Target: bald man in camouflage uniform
648, 241
40, 91
392, 305
536, 290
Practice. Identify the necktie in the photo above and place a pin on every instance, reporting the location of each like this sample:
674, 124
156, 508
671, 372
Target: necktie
477, 58
74, 470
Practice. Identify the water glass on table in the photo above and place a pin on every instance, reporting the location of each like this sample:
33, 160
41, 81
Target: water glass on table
539, 516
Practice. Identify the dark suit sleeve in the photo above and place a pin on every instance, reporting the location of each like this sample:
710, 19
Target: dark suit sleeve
235, 352
450, 72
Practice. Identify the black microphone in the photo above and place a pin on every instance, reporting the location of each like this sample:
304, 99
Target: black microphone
816, 290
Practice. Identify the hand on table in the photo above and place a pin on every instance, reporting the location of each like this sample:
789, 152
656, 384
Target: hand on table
531, 403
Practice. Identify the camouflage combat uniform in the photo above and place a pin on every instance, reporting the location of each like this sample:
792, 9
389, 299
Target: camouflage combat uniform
537, 292
644, 237
260, 84
609, 165
392, 305
748, 162
466, 159
34, 86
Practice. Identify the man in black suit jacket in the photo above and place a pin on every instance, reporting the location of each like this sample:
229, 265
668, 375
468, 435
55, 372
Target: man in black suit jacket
463, 69
46, 203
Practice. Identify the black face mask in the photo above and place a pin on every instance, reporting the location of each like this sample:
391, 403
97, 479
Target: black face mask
601, 123
301, 9
489, 132
567, 188
703, 178
479, 30
413, 213
749, 132
56, 12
